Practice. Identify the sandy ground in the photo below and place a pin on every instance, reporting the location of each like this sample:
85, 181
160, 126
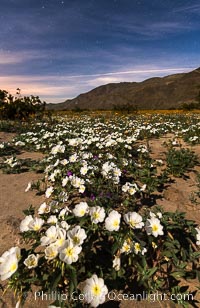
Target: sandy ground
13, 200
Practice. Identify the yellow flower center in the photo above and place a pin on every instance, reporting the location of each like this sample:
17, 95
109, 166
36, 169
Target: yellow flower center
96, 215
13, 267
115, 223
76, 240
82, 212
154, 228
132, 223
69, 252
32, 262
126, 247
96, 290
52, 254
60, 242
36, 227
137, 246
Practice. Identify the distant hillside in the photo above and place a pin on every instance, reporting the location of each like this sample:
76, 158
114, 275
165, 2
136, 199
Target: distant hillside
154, 93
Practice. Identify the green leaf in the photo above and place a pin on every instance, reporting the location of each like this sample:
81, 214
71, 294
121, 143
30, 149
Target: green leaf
151, 271
178, 274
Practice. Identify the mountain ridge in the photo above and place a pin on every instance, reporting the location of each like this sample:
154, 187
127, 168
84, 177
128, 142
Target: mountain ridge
166, 92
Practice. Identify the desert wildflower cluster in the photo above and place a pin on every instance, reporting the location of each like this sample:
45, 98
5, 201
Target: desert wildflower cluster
97, 229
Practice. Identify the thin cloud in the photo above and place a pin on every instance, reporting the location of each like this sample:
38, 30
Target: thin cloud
17, 57
195, 8
56, 88
130, 72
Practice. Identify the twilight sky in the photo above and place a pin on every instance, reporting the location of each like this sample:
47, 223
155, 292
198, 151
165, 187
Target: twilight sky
58, 49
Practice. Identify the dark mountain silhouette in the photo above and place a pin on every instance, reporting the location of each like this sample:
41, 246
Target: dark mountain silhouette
155, 93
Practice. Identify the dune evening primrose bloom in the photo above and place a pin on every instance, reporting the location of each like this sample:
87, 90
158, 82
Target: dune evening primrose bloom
64, 225
50, 237
24, 225
43, 209
70, 252
134, 220
9, 262
31, 261
116, 263
9, 267
138, 248
15, 250
80, 209
112, 222
154, 227
52, 219
65, 181
84, 170
36, 224
49, 192
61, 238
95, 291
97, 214
77, 235
81, 189
51, 252
127, 247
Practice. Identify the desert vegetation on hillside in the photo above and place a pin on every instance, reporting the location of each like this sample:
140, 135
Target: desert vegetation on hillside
20, 108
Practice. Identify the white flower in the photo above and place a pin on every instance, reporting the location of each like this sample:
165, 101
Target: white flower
143, 187
116, 263
130, 188
154, 227
97, 214
15, 250
64, 181
49, 192
43, 209
36, 224
64, 212
52, 219
112, 222
81, 189
64, 225
50, 237
137, 248
9, 267
51, 252
64, 162
76, 181
158, 214
9, 262
73, 158
24, 225
84, 170
80, 209
198, 236
95, 291
127, 246
69, 253
77, 235
61, 238
31, 261
58, 149
117, 172
134, 220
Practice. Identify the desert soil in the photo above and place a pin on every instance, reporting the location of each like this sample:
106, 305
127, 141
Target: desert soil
14, 199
